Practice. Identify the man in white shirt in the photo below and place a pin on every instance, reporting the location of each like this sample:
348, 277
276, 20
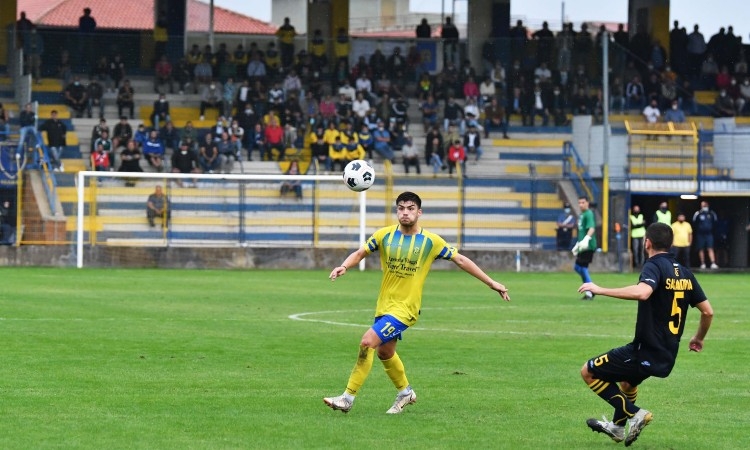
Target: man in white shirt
360, 108
651, 112
348, 91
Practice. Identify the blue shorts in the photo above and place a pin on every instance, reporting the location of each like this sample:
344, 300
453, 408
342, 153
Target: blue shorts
704, 240
388, 328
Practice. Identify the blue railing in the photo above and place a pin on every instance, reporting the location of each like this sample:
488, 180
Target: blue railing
575, 170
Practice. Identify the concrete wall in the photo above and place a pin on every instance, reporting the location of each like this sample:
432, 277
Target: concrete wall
274, 258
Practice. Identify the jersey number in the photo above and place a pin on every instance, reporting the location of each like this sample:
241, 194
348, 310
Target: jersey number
387, 330
676, 311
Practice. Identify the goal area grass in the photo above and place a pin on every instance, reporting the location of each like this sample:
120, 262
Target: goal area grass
230, 359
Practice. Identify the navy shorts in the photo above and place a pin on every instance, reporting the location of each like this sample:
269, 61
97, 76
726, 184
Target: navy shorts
388, 328
618, 364
704, 240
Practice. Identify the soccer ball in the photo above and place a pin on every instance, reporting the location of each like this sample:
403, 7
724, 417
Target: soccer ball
359, 175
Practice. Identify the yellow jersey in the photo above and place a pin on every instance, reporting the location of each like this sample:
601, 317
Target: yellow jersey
682, 232
405, 260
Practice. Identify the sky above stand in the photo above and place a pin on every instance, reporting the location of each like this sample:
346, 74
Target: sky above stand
709, 15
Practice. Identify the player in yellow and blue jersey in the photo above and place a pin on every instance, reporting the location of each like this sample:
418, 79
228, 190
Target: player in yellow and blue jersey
406, 255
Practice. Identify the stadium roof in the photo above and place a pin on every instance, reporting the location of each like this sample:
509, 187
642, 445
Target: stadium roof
108, 15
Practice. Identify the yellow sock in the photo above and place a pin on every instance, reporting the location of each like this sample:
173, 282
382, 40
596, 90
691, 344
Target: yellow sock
360, 371
395, 370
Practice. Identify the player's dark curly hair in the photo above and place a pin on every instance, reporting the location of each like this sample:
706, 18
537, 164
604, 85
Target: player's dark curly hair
660, 235
409, 197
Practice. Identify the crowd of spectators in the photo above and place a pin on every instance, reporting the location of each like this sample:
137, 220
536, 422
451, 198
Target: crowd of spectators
270, 99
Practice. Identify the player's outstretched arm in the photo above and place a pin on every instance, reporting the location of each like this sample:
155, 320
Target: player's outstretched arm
470, 267
707, 316
640, 291
350, 261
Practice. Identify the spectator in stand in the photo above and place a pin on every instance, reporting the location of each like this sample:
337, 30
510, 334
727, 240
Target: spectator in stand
456, 155
382, 144
256, 68
674, 114
343, 109
125, 96
210, 98
635, 94
293, 185
276, 98
473, 143
366, 140
733, 91
160, 113
26, 123
449, 34
141, 135
558, 108
704, 222
745, 95
130, 161
274, 140
56, 142
709, 70
158, 206
471, 113
75, 97
337, 154
33, 49
116, 71
286, 34
292, 84
328, 110
435, 155
360, 108
164, 77
429, 109
100, 160
202, 75
539, 106
470, 89
652, 115
209, 154
319, 149
724, 105
487, 92
105, 143
153, 151
318, 51
228, 96
185, 161
94, 96
518, 104
687, 98
424, 31
410, 154
350, 139
170, 137
429, 147
452, 114
122, 133
342, 48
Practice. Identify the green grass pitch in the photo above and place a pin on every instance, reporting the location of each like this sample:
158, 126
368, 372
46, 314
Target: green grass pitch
170, 359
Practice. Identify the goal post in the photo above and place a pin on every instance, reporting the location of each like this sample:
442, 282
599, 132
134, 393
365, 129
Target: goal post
222, 210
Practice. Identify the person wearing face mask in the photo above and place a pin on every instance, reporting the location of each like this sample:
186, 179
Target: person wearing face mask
125, 95
211, 97
663, 214
724, 105
674, 114
185, 161
76, 97
637, 232
745, 96
566, 221
683, 238
160, 112
704, 222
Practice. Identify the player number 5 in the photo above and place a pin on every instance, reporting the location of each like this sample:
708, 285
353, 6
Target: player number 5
676, 311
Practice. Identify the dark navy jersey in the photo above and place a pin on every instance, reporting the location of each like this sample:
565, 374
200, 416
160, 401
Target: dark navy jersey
661, 318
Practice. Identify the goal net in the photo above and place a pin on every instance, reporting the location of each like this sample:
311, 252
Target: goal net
227, 210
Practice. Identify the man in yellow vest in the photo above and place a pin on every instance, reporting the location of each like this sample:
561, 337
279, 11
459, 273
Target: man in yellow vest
663, 214
637, 232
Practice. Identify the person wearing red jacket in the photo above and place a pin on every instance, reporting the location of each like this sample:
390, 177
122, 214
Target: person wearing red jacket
456, 155
274, 140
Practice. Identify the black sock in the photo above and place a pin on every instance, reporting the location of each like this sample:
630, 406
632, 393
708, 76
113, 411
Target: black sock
611, 393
